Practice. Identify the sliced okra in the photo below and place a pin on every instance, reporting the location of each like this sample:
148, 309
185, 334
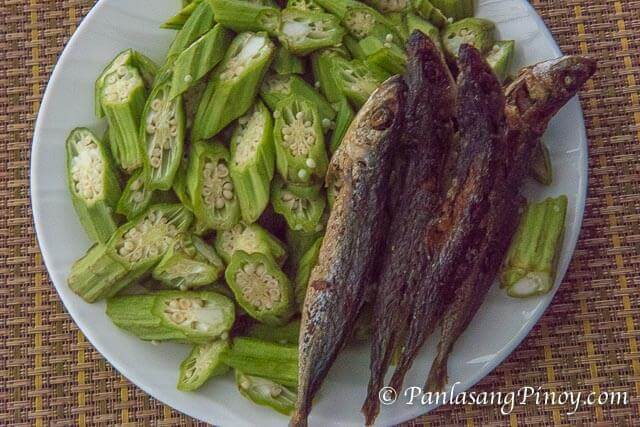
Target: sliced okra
298, 243
284, 62
277, 362
192, 98
265, 392
356, 79
252, 162
322, 65
455, 9
276, 87
343, 120
540, 168
301, 206
428, 11
134, 249
301, 156
180, 183
199, 22
286, 334
353, 46
193, 317
305, 266
250, 239
260, 287
474, 31
162, 135
123, 97
309, 5
384, 54
177, 21
234, 86
195, 62
93, 184
147, 68
202, 363
390, 6
500, 56
359, 19
213, 195
136, 196
415, 22
302, 32
241, 15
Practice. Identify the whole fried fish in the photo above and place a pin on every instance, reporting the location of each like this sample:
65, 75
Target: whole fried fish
445, 240
429, 113
360, 170
532, 100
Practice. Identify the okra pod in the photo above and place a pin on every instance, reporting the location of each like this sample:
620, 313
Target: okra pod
353, 46
177, 21
541, 169
530, 266
301, 156
180, 183
415, 22
286, 334
213, 195
384, 54
284, 62
147, 68
277, 362
199, 22
322, 65
357, 80
477, 32
266, 392
196, 61
343, 120
260, 287
428, 11
455, 9
192, 317
302, 32
310, 5
93, 184
134, 249
500, 56
251, 239
136, 196
253, 161
299, 242
234, 86
240, 15
301, 206
202, 363
305, 266
359, 19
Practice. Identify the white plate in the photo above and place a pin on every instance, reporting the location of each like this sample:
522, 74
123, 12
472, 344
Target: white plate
500, 325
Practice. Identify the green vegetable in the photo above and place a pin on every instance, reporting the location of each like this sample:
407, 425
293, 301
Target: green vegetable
305, 266
343, 121
359, 19
192, 98
284, 62
213, 195
199, 22
500, 56
241, 16
93, 184
428, 11
193, 317
455, 9
197, 60
310, 5
233, 88
530, 266
301, 206
356, 80
251, 239
122, 99
260, 287
384, 54
162, 135
180, 183
301, 156
541, 169
147, 68
322, 63
136, 197
277, 362
177, 21
267, 393
201, 364
390, 6
414, 22
353, 46
299, 242
134, 249
302, 32
287, 334
252, 162
474, 31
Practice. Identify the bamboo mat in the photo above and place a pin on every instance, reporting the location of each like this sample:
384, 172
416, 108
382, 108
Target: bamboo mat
587, 341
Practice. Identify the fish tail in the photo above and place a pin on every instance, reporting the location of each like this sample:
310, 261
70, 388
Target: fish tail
438, 375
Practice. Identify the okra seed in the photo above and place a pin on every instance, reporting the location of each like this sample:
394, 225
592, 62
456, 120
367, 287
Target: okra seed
326, 123
228, 186
303, 174
188, 78
317, 85
389, 37
245, 384
276, 114
178, 317
220, 203
261, 269
184, 303
275, 391
224, 336
300, 115
287, 196
249, 268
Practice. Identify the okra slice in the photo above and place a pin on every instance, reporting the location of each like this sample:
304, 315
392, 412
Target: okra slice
147, 68
276, 88
322, 65
541, 169
530, 266
123, 97
240, 15
305, 266
192, 317
265, 392
414, 22
162, 136
253, 161
234, 86
302, 31
277, 362
180, 183
309, 5
390, 6
455, 9
353, 46
299, 242
136, 196
359, 19
93, 184
384, 54
357, 80
260, 287
286, 334
192, 98
199, 22
301, 156
428, 11
250, 239
343, 121
177, 21
474, 31
213, 195
500, 56
197, 60
284, 62
301, 206
202, 363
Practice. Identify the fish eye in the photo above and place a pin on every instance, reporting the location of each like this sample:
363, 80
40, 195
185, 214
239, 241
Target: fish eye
381, 118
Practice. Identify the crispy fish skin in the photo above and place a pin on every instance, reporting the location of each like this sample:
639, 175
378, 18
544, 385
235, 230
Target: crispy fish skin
532, 100
354, 236
429, 113
481, 123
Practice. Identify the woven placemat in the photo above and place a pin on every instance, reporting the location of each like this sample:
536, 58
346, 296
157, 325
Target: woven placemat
587, 341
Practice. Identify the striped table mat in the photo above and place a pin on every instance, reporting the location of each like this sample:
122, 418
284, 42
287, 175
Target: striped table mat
587, 341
